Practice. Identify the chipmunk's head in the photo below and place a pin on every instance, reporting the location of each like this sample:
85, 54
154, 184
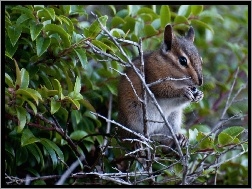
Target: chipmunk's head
183, 56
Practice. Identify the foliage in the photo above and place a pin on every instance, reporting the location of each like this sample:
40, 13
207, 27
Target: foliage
61, 65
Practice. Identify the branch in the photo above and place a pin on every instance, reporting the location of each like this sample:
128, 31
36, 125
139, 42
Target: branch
70, 170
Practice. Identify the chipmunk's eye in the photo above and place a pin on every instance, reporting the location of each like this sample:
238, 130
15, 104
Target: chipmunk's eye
183, 61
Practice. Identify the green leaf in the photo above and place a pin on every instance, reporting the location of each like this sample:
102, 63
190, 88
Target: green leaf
57, 86
165, 15
18, 75
55, 105
30, 93
34, 108
35, 30
224, 139
9, 81
52, 28
51, 152
21, 156
78, 135
181, 20
202, 24
102, 45
233, 131
77, 86
24, 10
46, 80
196, 9
184, 10
14, 33
42, 44
112, 88
21, 115
149, 30
73, 101
50, 12
95, 27
87, 104
22, 18
205, 144
28, 138
9, 49
54, 147
81, 53
69, 23
210, 14
24, 79
116, 21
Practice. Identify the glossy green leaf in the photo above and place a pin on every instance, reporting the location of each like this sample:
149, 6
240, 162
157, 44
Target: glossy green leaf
22, 18
69, 24
34, 152
21, 156
149, 30
76, 9
103, 46
112, 88
78, 135
117, 33
47, 93
50, 12
81, 53
35, 30
73, 101
28, 138
21, 115
224, 139
184, 10
181, 20
42, 44
53, 28
46, 80
9, 81
117, 21
202, 24
55, 106
14, 33
87, 104
196, 9
57, 86
34, 108
54, 147
18, 75
165, 15
24, 10
210, 14
31, 93
9, 149
51, 152
9, 49
77, 86
24, 79
129, 25
233, 131
95, 27
205, 144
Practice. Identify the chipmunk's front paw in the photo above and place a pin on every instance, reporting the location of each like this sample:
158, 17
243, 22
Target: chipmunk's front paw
198, 95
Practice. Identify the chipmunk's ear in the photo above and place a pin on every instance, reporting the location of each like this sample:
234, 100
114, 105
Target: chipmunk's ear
190, 34
168, 37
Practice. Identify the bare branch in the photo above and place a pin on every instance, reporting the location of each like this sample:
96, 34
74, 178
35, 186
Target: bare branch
125, 128
69, 171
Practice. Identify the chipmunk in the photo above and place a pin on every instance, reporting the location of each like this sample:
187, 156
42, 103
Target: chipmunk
177, 58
